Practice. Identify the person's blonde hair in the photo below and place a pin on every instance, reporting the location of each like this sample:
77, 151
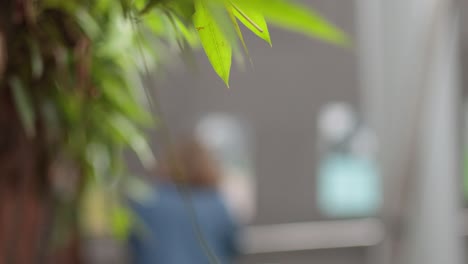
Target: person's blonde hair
190, 163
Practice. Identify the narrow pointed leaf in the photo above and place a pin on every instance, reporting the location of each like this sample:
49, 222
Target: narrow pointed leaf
299, 18
215, 44
121, 222
88, 23
37, 65
188, 33
253, 19
127, 131
23, 105
239, 33
138, 190
150, 5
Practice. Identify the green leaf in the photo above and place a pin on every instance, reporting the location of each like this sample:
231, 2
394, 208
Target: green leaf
98, 158
23, 105
127, 131
138, 190
215, 44
124, 101
37, 65
239, 33
69, 107
51, 118
126, 7
183, 9
154, 21
299, 18
189, 35
150, 5
87, 23
101, 5
119, 36
253, 19
121, 222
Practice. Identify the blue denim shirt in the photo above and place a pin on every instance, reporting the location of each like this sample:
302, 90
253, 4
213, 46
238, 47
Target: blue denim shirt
168, 235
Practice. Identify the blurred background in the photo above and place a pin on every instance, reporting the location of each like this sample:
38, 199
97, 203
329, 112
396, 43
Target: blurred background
334, 155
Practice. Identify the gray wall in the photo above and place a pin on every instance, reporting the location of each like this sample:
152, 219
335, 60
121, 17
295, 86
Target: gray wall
464, 45
280, 98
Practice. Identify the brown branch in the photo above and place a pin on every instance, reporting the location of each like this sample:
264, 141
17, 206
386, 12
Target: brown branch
5, 21
3, 55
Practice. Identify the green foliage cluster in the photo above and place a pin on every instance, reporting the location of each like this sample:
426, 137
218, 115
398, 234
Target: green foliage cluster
75, 66
219, 31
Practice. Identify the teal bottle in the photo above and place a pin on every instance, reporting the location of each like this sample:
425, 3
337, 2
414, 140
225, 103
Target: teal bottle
349, 184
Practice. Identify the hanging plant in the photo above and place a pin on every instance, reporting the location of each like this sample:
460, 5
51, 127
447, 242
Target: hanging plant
72, 100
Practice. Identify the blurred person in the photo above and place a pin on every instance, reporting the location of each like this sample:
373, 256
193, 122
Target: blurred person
188, 222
